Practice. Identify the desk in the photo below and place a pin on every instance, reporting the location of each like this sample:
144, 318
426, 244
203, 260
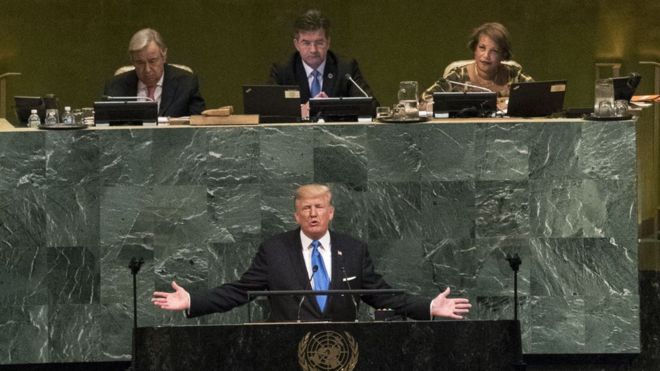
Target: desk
441, 204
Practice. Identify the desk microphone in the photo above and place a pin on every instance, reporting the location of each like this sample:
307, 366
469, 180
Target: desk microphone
348, 283
349, 78
469, 85
315, 269
135, 97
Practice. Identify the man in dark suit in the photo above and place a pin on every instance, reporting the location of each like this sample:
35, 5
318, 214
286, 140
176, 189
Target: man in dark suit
311, 257
314, 68
176, 90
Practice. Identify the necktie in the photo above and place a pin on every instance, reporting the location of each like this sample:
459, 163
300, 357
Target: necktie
321, 280
316, 83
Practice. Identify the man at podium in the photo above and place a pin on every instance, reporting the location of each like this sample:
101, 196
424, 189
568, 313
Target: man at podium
311, 257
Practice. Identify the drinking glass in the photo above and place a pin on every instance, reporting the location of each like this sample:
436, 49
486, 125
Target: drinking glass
604, 98
408, 98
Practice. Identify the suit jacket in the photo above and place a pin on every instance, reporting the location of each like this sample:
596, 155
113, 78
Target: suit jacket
180, 97
335, 83
279, 265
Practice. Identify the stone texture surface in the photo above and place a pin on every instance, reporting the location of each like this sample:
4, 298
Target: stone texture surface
440, 204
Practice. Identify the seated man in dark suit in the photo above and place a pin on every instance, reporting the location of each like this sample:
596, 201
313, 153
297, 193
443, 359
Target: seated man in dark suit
314, 67
176, 90
311, 256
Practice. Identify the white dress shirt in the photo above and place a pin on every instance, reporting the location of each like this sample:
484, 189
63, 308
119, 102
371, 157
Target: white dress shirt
324, 249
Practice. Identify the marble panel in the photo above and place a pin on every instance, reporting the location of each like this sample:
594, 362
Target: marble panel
179, 156
455, 264
72, 159
351, 210
394, 153
448, 209
234, 157
74, 332
125, 158
287, 154
554, 151
572, 267
24, 334
405, 263
607, 151
23, 218
22, 161
116, 326
72, 216
502, 208
23, 272
277, 208
340, 155
495, 276
447, 152
611, 324
558, 325
502, 151
556, 208
234, 212
394, 210
73, 275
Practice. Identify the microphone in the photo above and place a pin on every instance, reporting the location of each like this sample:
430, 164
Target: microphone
349, 78
348, 283
468, 85
315, 268
109, 97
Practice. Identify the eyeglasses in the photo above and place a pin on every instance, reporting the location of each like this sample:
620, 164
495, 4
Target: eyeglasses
316, 43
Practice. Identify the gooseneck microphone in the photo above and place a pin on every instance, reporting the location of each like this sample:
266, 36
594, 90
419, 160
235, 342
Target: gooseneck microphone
468, 85
315, 269
348, 283
350, 78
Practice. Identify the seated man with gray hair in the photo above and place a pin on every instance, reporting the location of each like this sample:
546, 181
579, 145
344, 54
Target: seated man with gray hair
175, 89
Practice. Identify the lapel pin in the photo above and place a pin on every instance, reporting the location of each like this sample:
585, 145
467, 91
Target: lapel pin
331, 75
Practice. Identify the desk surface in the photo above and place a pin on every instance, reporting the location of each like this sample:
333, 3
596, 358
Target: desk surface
6, 126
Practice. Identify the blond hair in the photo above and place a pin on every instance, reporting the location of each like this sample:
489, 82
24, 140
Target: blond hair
311, 191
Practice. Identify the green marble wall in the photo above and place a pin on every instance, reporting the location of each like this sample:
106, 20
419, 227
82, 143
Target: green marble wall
440, 204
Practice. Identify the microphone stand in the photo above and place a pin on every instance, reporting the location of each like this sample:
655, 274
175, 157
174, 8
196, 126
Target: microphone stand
514, 263
134, 265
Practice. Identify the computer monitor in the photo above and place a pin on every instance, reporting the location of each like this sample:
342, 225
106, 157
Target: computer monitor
23, 105
125, 112
273, 103
536, 98
464, 104
341, 109
625, 86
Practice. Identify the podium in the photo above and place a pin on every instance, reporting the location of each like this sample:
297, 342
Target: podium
401, 345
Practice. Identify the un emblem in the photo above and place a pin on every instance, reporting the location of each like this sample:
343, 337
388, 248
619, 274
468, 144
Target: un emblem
328, 351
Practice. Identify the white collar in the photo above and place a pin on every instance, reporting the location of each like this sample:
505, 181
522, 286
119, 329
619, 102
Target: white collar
324, 240
309, 70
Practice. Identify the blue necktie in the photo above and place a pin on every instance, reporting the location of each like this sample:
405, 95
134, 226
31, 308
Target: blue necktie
321, 280
316, 84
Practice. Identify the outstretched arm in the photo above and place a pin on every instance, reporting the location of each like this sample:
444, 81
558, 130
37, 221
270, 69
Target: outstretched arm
455, 308
177, 300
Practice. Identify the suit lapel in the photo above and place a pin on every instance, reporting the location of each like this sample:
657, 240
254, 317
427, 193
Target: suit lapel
300, 75
169, 91
330, 77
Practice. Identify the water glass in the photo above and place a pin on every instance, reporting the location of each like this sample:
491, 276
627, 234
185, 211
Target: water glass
383, 112
604, 98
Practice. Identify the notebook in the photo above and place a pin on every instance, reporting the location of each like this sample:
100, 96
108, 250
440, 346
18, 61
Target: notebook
273, 103
536, 98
